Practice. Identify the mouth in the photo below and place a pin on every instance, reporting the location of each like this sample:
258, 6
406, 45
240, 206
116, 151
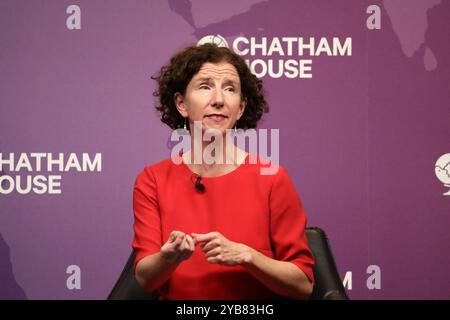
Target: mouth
217, 117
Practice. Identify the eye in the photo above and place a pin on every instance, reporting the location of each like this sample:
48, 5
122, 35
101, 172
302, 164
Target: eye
231, 89
203, 86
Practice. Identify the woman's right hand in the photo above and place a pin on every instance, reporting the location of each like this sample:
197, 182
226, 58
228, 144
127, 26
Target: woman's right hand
178, 247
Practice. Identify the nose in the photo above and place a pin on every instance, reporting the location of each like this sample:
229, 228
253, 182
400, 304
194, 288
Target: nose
217, 99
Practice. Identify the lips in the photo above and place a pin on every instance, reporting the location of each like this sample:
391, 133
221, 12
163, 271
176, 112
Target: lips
216, 117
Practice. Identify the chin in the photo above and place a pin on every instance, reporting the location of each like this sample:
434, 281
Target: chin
222, 130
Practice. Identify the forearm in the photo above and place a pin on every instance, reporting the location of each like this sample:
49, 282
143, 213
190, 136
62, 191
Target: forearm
153, 271
284, 278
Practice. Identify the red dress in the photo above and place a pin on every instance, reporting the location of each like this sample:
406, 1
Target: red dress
261, 211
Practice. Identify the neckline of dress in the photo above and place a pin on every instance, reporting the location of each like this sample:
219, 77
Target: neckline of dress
243, 164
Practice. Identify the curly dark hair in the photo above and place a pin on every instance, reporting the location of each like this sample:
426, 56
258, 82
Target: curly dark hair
175, 77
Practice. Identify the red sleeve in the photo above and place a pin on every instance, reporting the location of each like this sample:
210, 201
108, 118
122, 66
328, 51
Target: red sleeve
147, 223
287, 225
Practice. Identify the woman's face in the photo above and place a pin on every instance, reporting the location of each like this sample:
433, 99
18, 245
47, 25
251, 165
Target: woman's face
213, 96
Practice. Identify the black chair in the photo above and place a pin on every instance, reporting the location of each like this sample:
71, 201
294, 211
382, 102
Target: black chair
328, 284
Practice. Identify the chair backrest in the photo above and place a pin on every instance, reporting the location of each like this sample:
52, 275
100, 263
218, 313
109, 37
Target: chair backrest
127, 288
328, 284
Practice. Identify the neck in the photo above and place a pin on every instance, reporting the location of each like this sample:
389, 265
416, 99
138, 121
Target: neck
215, 156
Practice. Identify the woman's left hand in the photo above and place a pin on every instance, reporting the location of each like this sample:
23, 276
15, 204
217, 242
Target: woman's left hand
220, 250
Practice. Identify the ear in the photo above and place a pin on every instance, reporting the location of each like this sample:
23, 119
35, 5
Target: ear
242, 106
180, 104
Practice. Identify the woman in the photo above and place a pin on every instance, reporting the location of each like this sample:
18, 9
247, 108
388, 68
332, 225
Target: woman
220, 230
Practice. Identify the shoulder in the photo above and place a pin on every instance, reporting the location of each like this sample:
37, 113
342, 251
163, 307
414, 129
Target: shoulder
155, 170
162, 165
264, 173
265, 167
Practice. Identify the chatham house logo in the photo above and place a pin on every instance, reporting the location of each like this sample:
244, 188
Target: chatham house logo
442, 170
216, 39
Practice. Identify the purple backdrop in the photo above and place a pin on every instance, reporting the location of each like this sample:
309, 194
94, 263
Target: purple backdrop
360, 139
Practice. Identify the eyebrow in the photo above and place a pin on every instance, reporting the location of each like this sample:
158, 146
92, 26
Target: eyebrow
226, 81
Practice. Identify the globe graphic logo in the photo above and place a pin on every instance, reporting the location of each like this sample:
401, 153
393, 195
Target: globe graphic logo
216, 39
442, 170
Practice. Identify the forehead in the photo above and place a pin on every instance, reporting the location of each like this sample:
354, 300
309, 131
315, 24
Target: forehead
217, 70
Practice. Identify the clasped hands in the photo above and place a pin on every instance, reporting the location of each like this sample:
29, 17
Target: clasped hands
216, 247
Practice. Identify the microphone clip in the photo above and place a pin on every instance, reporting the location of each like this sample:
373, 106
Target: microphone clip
198, 185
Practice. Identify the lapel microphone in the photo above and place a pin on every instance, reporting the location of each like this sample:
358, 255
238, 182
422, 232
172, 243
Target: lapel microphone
198, 185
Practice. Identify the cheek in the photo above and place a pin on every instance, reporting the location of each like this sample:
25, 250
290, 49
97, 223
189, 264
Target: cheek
235, 102
195, 106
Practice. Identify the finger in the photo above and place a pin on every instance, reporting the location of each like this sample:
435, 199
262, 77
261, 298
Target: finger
204, 237
210, 245
190, 242
214, 252
179, 249
180, 235
183, 244
186, 251
173, 235
216, 259
177, 242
